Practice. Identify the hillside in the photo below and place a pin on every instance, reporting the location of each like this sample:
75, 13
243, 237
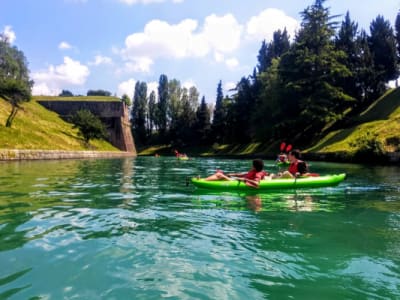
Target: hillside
37, 128
374, 131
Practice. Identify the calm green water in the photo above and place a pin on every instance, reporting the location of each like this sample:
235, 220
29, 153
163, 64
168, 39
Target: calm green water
132, 229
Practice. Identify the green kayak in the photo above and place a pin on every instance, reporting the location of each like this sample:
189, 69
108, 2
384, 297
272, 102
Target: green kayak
274, 184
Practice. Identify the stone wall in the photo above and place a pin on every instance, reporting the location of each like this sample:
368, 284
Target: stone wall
6, 154
114, 114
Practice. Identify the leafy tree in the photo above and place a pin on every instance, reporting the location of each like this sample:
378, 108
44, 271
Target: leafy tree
125, 99
397, 32
15, 85
311, 70
174, 111
276, 48
163, 98
383, 48
138, 113
203, 125
66, 93
89, 125
219, 118
152, 113
347, 41
98, 93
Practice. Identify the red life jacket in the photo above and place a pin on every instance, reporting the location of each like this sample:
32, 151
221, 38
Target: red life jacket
293, 167
254, 175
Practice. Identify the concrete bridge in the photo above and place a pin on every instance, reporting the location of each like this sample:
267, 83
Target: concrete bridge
114, 114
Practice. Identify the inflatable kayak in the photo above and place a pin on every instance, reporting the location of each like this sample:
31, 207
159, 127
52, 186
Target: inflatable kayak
283, 163
272, 184
183, 158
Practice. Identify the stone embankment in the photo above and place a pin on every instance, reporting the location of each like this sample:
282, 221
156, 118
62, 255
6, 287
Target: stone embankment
8, 154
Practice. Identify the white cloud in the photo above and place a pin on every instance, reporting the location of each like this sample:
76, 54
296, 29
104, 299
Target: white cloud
219, 57
188, 84
55, 78
222, 33
232, 63
64, 45
101, 60
269, 20
152, 86
9, 34
159, 39
126, 87
139, 64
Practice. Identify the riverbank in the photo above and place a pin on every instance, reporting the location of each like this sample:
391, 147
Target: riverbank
257, 150
16, 154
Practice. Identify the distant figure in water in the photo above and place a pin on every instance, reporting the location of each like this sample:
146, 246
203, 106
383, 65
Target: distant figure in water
251, 178
156, 155
180, 155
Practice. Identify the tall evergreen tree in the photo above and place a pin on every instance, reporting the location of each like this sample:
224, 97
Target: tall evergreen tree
383, 48
397, 32
163, 99
203, 125
346, 41
138, 112
277, 47
152, 112
312, 68
218, 124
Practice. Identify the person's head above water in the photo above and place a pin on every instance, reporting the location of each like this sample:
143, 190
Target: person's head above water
295, 153
258, 165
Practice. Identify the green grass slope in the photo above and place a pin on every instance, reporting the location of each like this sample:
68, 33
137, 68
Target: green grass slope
35, 127
376, 130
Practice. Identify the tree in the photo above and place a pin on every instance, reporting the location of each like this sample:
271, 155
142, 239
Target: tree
89, 125
310, 72
219, 118
397, 32
125, 99
276, 48
138, 113
383, 48
66, 93
15, 84
347, 41
98, 93
152, 113
203, 125
163, 98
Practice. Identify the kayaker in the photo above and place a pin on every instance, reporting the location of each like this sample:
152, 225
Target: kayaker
251, 178
297, 167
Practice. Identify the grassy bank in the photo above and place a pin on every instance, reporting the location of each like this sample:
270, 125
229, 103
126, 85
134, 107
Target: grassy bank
35, 127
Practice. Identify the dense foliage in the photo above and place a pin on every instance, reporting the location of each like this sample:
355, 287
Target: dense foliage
15, 84
300, 88
98, 93
89, 125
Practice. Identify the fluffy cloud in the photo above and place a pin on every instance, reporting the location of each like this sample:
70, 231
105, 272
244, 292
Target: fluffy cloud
269, 20
101, 60
232, 63
126, 87
64, 46
182, 40
216, 36
55, 78
9, 34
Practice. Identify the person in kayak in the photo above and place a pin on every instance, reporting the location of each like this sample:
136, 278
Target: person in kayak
297, 167
251, 178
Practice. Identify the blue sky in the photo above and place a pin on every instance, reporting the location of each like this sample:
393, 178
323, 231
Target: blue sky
110, 44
